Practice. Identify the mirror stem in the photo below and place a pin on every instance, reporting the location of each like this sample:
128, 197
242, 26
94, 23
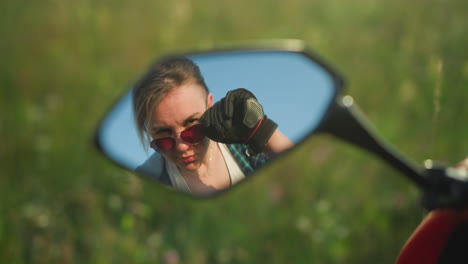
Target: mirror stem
345, 121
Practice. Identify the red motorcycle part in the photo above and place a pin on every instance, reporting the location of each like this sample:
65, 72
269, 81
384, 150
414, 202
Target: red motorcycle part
442, 237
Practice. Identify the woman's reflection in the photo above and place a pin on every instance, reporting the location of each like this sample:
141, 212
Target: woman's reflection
204, 148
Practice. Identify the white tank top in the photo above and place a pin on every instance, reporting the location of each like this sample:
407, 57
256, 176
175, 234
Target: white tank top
179, 183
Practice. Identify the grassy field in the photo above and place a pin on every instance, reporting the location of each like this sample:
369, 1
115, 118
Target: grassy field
63, 64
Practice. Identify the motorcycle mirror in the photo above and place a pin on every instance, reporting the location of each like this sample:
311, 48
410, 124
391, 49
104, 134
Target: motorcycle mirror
295, 88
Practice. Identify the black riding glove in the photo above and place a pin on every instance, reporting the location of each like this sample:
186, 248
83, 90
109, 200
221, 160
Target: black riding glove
239, 118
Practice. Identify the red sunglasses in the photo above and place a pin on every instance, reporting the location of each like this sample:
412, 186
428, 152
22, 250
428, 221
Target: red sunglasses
192, 135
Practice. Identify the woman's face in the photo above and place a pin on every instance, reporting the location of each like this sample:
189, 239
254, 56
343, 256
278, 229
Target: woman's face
180, 109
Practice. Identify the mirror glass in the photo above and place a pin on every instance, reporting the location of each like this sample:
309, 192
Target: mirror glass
293, 89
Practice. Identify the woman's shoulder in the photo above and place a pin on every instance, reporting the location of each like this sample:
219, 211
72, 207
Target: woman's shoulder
154, 168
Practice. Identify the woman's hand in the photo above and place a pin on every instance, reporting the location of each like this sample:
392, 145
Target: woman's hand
239, 118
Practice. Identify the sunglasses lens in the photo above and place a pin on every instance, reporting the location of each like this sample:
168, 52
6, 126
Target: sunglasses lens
193, 135
162, 144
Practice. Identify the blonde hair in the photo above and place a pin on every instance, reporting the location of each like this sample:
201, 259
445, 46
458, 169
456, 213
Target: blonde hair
161, 78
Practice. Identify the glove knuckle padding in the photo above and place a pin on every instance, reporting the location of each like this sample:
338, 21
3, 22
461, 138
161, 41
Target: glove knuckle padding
235, 117
253, 113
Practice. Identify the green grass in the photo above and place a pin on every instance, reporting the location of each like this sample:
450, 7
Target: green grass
63, 65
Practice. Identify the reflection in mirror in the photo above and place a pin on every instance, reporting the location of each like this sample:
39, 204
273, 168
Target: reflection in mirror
199, 133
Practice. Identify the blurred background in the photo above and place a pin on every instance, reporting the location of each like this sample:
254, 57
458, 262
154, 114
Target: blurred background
64, 64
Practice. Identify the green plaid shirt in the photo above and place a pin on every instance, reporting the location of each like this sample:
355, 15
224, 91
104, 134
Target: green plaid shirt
247, 161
